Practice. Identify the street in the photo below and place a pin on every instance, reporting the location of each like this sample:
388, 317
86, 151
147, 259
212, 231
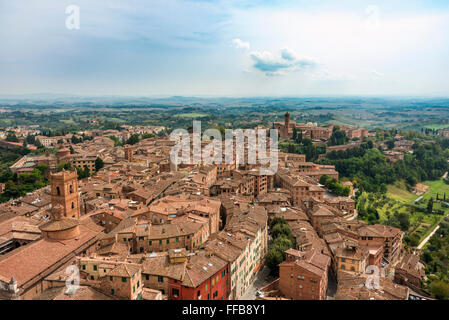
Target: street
260, 282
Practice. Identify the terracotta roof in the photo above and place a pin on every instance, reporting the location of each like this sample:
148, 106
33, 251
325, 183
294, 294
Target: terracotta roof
124, 270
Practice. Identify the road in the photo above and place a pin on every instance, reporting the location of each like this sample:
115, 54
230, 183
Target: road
262, 279
428, 237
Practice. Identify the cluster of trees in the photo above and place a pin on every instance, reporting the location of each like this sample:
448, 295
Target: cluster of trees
372, 172
338, 137
19, 185
297, 135
436, 258
335, 186
351, 152
75, 139
305, 147
282, 240
399, 220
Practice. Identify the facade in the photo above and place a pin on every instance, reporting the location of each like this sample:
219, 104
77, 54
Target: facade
304, 275
64, 192
206, 278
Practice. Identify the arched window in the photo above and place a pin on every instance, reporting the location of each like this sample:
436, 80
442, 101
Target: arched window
352, 269
58, 191
71, 188
73, 205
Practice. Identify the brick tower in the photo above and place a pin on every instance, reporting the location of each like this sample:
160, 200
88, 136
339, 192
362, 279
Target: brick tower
64, 192
287, 119
129, 154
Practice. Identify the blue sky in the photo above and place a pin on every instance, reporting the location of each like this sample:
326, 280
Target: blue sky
226, 48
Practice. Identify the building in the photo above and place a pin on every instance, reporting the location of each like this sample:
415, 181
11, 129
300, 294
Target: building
124, 281
410, 271
304, 275
64, 192
206, 278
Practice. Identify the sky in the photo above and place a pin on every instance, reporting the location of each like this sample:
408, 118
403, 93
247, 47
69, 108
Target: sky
225, 48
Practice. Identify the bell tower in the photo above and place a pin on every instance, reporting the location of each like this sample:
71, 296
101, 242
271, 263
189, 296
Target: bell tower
64, 193
287, 119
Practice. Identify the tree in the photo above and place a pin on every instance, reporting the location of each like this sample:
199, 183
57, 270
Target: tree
390, 144
430, 205
404, 221
98, 164
133, 139
273, 259
281, 229
11, 137
440, 290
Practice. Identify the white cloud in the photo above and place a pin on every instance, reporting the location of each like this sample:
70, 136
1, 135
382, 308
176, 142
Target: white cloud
288, 61
376, 73
239, 44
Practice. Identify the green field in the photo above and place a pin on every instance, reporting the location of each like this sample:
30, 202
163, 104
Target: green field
192, 115
400, 193
438, 186
68, 121
437, 126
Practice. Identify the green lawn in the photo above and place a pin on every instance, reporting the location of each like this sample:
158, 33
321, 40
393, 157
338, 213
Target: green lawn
438, 186
400, 193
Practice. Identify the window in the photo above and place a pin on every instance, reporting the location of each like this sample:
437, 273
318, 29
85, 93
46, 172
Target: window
175, 292
141, 249
177, 239
343, 260
58, 191
84, 267
188, 236
291, 275
198, 294
71, 188
160, 241
123, 279
168, 241
147, 277
213, 282
112, 291
215, 294
342, 267
95, 267
73, 205
206, 287
150, 243
134, 289
124, 239
160, 279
